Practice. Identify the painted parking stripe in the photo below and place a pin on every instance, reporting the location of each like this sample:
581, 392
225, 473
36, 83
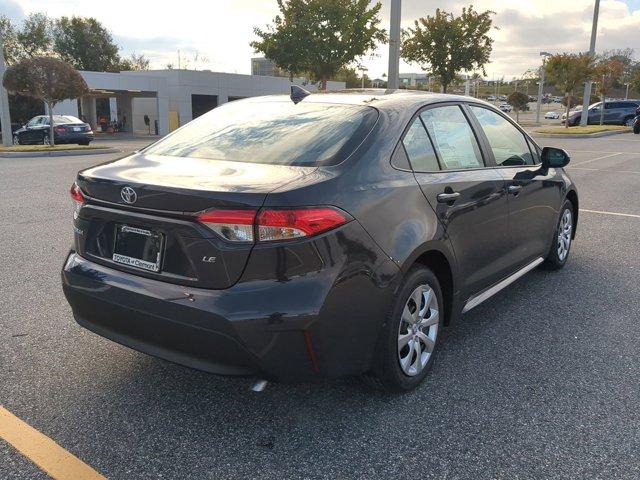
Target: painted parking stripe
44, 452
610, 213
604, 170
611, 155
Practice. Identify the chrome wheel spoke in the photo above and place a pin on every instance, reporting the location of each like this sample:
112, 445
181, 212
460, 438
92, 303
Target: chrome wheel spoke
428, 343
433, 319
404, 340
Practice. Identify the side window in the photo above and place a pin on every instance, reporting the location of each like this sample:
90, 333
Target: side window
509, 145
419, 149
34, 121
535, 151
453, 138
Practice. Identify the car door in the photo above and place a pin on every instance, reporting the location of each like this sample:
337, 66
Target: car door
28, 136
534, 195
468, 198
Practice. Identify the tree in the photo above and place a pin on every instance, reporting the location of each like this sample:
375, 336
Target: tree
134, 62
519, 101
568, 72
635, 80
607, 73
35, 37
319, 37
445, 44
86, 44
47, 79
32, 40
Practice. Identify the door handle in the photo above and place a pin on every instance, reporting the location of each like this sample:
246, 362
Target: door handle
448, 197
514, 189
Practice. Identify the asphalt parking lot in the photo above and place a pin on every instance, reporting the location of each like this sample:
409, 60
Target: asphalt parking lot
541, 381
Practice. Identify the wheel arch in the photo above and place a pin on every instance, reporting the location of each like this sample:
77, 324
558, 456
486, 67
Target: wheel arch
443, 266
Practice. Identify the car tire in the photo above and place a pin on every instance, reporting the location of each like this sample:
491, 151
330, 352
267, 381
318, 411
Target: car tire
409, 330
562, 239
16, 140
45, 139
636, 128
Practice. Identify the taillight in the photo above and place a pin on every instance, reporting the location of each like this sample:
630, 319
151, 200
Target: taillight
78, 199
76, 193
276, 224
60, 129
232, 225
272, 224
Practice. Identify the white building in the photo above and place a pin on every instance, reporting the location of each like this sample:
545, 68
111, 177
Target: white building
170, 97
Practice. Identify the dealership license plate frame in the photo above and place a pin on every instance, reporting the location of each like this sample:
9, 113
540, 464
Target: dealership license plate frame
129, 259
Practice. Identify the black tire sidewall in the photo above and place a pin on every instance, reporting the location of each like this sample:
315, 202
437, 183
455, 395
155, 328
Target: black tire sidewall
553, 258
390, 371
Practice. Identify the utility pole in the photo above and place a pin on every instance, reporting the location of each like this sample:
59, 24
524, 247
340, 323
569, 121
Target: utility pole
626, 97
393, 80
5, 116
541, 85
592, 51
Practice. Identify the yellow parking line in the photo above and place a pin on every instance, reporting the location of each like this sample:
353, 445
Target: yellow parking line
611, 213
44, 452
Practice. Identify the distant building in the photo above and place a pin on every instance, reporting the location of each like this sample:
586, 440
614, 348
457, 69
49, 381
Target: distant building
170, 97
266, 68
413, 79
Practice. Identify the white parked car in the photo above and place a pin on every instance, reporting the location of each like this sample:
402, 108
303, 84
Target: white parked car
552, 115
505, 107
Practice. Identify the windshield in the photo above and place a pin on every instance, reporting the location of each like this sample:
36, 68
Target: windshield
272, 132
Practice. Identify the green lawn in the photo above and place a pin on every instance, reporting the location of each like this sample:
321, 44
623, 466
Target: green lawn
586, 130
47, 148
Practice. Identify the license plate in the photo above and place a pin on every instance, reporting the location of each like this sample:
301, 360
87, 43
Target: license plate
138, 247
77, 129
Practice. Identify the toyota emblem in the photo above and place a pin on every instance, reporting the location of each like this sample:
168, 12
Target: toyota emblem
128, 195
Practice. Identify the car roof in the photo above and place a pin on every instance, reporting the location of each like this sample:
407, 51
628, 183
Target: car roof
375, 97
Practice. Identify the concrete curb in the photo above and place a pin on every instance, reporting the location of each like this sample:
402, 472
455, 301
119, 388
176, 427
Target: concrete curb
586, 135
60, 153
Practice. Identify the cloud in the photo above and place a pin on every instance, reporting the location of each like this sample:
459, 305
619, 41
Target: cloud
11, 9
221, 30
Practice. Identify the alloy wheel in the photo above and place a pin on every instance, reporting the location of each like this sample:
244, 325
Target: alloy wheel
418, 330
629, 122
564, 234
45, 140
16, 140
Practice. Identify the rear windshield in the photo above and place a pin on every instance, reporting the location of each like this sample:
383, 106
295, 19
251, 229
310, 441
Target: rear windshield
272, 132
65, 119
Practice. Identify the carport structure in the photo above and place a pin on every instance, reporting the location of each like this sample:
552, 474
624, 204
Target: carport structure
121, 89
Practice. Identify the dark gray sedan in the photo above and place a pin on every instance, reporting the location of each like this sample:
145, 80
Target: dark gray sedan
66, 129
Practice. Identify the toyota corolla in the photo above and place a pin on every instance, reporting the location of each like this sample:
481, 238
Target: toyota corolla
316, 236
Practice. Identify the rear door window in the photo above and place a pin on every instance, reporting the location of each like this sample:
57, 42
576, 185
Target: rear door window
453, 138
419, 149
508, 144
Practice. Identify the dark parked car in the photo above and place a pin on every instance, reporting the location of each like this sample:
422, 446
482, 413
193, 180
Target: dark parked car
66, 129
332, 237
620, 112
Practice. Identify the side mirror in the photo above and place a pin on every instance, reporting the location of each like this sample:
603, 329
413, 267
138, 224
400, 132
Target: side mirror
554, 157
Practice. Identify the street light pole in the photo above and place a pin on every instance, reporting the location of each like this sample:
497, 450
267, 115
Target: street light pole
5, 117
592, 50
393, 79
541, 85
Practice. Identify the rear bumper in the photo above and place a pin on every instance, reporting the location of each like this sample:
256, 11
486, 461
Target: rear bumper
74, 138
322, 324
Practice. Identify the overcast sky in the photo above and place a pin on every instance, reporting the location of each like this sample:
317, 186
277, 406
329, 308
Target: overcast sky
220, 30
